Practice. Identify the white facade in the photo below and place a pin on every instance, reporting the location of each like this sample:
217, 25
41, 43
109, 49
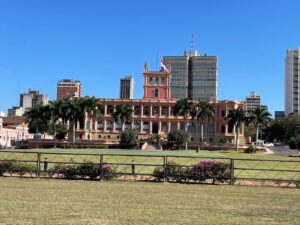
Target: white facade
10, 134
31, 99
292, 78
15, 111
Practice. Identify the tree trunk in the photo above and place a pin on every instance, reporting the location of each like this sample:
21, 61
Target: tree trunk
256, 136
54, 129
237, 138
74, 134
202, 136
186, 129
36, 136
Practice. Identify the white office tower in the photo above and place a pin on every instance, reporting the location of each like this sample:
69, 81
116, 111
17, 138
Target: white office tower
292, 79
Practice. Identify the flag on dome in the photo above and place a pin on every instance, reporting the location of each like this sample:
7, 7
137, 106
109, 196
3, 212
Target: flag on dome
163, 67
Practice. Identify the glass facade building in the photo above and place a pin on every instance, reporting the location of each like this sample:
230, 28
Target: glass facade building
193, 76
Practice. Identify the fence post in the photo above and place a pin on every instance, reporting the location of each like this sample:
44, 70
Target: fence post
231, 172
133, 168
101, 166
45, 164
165, 167
38, 164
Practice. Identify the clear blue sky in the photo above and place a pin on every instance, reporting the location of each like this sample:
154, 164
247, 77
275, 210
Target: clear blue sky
98, 42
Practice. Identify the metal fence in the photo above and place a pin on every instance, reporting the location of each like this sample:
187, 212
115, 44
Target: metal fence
158, 167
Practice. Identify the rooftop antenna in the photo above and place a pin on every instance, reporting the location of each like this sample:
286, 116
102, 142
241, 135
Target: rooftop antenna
192, 43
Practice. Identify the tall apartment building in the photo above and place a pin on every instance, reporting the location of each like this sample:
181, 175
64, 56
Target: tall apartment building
252, 101
68, 88
32, 99
193, 76
292, 79
126, 87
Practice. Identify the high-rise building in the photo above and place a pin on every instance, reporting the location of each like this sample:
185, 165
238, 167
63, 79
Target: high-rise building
32, 99
68, 88
126, 88
193, 76
252, 101
292, 81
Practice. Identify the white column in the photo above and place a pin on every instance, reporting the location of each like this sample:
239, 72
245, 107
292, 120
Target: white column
150, 127
104, 125
105, 109
141, 128
142, 110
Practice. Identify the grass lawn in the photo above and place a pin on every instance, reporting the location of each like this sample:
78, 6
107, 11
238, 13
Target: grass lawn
48, 201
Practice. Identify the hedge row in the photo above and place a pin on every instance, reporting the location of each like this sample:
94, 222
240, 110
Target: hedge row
19, 168
86, 170
204, 171
67, 171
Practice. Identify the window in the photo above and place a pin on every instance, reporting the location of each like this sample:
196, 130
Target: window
156, 93
211, 128
150, 80
164, 127
223, 129
223, 113
156, 80
88, 124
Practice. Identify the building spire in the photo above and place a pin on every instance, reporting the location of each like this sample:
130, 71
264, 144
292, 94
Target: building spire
145, 67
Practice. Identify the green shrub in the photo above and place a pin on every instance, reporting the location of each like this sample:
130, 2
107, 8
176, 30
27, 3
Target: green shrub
250, 150
202, 172
5, 167
89, 169
173, 172
69, 171
20, 168
107, 172
210, 170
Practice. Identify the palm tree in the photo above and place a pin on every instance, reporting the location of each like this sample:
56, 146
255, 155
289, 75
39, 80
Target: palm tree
92, 107
35, 118
72, 111
235, 118
122, 113
259, 117
56, 113
204, 113
183, 108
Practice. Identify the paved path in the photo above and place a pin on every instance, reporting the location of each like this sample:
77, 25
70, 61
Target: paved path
283, 150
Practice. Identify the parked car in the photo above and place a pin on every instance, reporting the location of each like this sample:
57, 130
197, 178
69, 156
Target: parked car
268, 144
